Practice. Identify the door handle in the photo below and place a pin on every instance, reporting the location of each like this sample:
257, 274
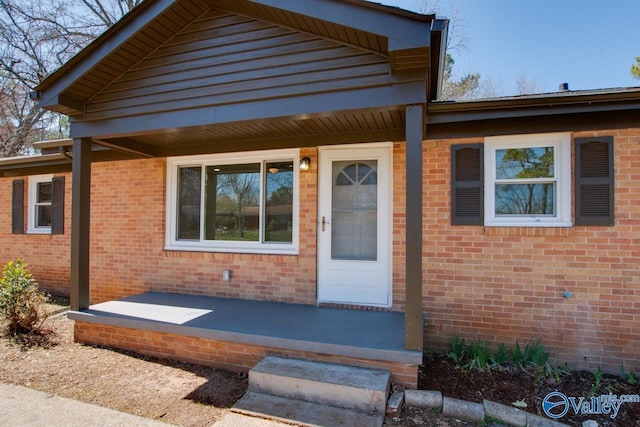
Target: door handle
324, 222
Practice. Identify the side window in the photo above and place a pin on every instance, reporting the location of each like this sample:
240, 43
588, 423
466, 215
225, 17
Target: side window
45, 205
528, 180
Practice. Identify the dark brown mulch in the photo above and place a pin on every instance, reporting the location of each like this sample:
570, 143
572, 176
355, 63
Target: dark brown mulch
507, 387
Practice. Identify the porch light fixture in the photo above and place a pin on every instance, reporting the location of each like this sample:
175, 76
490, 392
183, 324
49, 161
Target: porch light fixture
305, 163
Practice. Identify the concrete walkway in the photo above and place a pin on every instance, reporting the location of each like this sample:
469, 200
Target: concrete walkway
23, 407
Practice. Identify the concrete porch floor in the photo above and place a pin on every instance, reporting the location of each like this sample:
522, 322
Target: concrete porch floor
371, 335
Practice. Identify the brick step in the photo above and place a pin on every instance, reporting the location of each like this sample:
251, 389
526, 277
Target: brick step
361, 389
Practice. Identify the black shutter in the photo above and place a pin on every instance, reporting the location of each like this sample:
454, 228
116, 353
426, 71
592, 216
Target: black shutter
594, 181
57, 205
467, 184
17, 207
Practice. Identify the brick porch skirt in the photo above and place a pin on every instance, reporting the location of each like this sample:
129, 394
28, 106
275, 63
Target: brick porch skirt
232, 356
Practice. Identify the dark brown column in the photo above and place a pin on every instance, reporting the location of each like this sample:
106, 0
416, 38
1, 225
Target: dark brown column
413, 311
80, 220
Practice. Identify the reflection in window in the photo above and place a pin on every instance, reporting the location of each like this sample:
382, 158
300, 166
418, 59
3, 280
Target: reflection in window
240, 202
189, 203
43, 204
278, 224
525, 181
233, 202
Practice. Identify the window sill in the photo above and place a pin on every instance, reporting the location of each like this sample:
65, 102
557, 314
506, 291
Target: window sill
531, 224
530, 231
36, 231
232, 249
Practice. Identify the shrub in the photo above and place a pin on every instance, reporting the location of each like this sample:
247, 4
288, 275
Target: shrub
21, 303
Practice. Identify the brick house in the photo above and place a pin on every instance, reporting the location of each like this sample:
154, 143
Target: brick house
231, 156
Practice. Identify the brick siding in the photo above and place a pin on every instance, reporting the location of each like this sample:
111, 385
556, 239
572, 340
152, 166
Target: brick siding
505, 284
501, 284
236, 357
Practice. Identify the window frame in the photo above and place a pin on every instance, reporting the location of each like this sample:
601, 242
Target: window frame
561, 143
32, 227
172, 242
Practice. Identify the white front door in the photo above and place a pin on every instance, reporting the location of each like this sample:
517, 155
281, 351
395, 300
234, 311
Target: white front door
354, 227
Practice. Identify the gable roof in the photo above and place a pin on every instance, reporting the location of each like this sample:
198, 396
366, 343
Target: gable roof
401, 35
177, 77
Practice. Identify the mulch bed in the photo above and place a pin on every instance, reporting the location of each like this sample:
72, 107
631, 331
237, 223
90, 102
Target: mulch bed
440, 373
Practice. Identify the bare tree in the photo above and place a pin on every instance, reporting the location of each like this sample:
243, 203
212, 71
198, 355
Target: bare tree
36, 38
527, 85
454, 87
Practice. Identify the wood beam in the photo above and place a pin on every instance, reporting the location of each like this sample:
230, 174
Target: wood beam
413, 308
129, 147
403, 30
80, 223
306, 106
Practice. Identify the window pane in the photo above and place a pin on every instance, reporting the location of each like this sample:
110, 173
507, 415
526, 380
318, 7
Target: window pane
43, 216
278, 220
525, 199
233, 202
189, 187
44, 192
522, 163
354, 232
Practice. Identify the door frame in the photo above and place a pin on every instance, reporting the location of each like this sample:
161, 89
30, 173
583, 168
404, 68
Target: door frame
385, 214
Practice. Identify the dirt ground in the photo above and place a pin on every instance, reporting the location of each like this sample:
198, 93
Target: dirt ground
177, 393
185, 394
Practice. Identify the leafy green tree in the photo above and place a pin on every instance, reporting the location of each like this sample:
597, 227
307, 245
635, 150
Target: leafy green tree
635, 68
460, 88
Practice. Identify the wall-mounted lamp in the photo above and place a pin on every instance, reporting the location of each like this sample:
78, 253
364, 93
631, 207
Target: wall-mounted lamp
305, 163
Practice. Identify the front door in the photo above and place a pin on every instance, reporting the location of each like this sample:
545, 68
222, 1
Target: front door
354, 227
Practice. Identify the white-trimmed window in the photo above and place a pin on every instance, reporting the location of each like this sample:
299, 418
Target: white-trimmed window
528, 180
40, 204
240, 202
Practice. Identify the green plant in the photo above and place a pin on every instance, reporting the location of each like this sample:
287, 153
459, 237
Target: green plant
559, 371
533, 355
458, 350
597, 378
501, 357
630, 378
479, 357
21, 303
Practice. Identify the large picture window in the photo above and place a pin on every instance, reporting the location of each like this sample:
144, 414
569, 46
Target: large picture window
528, 180
235, 203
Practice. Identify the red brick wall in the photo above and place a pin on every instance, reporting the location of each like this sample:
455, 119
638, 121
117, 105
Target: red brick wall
232, 356
128, 237
47, 255
506, 284
501, 284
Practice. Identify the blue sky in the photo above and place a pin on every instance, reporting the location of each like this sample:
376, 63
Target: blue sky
590, 44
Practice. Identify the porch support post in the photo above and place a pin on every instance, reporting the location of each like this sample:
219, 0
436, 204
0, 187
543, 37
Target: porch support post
415, 129
80, 220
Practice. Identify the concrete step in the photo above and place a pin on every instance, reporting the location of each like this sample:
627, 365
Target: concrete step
299, 412
361, 389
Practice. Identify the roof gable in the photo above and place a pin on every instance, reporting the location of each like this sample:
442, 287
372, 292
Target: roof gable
401, 36
223, 58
